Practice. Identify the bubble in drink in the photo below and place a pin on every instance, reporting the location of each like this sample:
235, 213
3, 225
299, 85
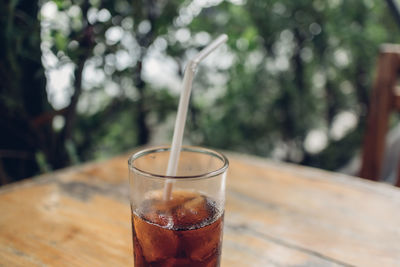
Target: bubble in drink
183, 231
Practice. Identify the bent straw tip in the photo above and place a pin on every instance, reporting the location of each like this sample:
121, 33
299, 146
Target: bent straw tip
208, 49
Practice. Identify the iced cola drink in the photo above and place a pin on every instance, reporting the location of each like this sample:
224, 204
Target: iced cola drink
184, 228
183, 231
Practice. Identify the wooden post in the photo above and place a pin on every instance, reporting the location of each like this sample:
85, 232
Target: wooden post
398, 175
383, 101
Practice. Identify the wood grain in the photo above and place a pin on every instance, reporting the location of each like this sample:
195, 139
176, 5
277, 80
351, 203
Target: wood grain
276, 215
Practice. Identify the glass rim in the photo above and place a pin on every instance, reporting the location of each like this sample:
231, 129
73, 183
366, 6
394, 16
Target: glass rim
195, 149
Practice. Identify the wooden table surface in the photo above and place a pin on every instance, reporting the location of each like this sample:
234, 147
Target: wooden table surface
276, 215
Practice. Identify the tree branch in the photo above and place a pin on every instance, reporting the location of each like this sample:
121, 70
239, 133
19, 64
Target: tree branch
394, 8
87, 43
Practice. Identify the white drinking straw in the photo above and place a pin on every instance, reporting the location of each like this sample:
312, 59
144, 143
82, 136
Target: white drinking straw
182, 110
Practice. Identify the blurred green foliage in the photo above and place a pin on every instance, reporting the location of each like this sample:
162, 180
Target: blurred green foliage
289, 76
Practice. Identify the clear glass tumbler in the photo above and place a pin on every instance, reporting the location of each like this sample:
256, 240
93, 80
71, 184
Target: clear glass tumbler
184, 229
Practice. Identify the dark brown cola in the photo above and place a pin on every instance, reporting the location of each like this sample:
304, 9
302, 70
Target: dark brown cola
183, 231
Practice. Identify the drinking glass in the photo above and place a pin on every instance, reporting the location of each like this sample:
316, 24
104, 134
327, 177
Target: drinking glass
185, 227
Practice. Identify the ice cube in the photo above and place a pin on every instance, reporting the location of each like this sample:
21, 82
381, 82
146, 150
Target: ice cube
197, 203
184, 194
161, 219
192, 213
157, 243
156, 204
202, 243
157, 211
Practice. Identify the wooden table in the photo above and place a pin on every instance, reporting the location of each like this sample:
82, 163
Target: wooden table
276, 215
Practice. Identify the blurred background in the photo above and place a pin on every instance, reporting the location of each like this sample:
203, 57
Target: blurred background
90, 79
